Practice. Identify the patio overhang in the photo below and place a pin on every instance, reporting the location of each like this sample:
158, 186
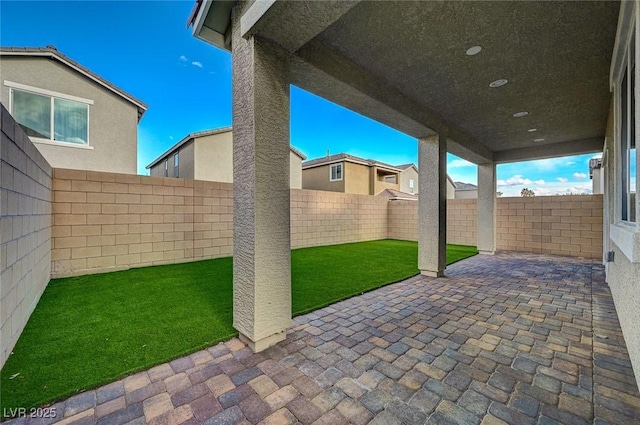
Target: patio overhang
487, 81
404, 64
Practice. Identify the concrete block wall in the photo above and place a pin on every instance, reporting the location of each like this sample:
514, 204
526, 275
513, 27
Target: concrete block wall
25, 230
403, 220
329, 218
561, 225
107, 221
461, 221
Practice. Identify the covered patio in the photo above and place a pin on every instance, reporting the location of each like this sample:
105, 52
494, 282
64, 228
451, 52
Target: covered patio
491, 82
511, 338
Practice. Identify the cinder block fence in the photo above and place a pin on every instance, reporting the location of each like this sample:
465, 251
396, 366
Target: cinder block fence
560, 225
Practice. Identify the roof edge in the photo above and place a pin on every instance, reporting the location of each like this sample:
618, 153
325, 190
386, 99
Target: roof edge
205, 133
55, 54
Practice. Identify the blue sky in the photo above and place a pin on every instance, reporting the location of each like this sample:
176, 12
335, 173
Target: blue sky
146, 49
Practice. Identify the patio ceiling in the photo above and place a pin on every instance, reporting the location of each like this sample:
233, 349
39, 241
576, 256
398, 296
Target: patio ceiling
404, 64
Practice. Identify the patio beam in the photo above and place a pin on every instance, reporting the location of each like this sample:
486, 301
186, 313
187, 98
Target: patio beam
432, 205
261, 219
306, 19
551, 150
487, 208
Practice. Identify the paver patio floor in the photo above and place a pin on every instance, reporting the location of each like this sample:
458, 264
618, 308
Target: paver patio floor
513, 338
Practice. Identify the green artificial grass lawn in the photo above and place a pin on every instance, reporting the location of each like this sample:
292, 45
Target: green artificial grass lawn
90, 330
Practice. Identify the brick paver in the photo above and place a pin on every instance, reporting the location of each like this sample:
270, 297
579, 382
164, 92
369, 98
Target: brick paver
512, 338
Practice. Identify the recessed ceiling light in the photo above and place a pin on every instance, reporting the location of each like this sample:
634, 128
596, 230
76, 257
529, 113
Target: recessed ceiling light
521, 114
538, 140
473, 50
531, 130
498, 83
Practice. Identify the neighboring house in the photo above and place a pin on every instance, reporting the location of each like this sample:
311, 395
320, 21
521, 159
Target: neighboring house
409, 178
349, 174
466, 190
75, 118
596, 175
208, 155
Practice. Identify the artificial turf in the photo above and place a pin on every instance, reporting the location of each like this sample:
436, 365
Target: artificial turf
90, 330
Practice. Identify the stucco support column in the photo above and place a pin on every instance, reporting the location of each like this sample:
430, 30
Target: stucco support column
487, 208
432, 205
261, 240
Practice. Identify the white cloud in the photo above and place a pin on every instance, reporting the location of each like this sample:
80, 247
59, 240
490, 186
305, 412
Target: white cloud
540, 182
516, 180
183, 58
563, 179
571, 163
198, 64
459, 163
579, 175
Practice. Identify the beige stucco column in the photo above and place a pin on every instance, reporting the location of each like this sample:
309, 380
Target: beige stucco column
261, 241
432, 205
487, 208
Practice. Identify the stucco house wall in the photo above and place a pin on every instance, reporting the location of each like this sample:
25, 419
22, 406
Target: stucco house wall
466, 194
380, 185
623, 239
213, 158
185, 163
113, 121
356, 178
407, 175
451, 189
317, 178
295, 171
210, 158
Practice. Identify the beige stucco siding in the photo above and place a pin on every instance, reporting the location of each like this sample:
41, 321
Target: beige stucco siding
317, 178
186, 166
382, 185
113, 121
210, 158
451, 190
466, 194
185, 163
214, 158
407, 175
295, 171
357, 178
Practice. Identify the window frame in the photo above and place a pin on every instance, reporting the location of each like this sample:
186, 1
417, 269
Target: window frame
176, 165
52, 95
166, 167
331, 168
624, 234
626, 132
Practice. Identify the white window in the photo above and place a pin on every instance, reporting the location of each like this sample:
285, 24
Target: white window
176, 165
49, 116
336, 172
166, 167
628, 138
411, 183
